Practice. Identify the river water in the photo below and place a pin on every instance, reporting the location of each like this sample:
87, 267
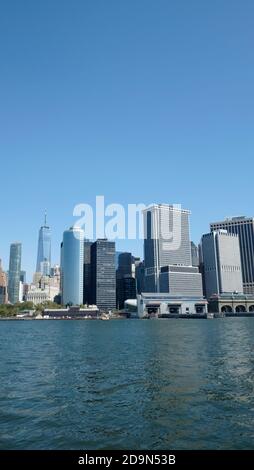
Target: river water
127, 384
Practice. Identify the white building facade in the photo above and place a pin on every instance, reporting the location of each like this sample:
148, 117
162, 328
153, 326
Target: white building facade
167, 250
222, 263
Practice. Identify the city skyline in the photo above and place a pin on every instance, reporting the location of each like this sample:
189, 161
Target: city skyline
124, 244
89, 270
127, 232
171, 99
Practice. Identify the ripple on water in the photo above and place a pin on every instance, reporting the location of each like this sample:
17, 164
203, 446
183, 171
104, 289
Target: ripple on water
131, 384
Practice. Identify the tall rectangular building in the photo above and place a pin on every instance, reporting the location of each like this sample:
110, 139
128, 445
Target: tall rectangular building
87, 297
43, 264
194, 255
167, 237
167, 245
23, 277
3, 286
124, 265
14, 272
221, 263
103, 274
125, 279
140, 277
72, 266
244, 228
125, 290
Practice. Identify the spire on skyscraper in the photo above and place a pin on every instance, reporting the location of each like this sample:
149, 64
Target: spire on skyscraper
43, 264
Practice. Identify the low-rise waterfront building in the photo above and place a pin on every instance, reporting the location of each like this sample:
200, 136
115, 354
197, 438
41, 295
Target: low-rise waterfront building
72, 312
131, 308
232, 304
165, 305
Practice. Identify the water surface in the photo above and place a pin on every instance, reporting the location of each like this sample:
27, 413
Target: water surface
127, 384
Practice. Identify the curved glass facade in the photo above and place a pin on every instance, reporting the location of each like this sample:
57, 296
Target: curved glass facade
72, 259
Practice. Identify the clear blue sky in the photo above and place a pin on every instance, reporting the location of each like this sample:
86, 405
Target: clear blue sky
138, 100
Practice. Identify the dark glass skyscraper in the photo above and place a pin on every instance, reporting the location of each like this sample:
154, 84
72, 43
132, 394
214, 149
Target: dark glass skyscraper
87, 298
124, 265
14, 272
125, 281
23, 276
44, 250
125, 290
103, 274
140, 277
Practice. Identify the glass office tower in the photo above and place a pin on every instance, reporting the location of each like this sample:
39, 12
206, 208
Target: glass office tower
44, 250
103, 274
72, 266
14, 272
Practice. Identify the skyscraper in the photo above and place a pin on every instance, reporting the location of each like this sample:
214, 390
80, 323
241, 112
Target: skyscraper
221, 263
116, 258
125, 279
194, 255
103, 274
87, 296
244, 228
44, 250
14, 272
72, 266
23, 277
140, 277
3, 286
125, 290
124, 265
167, 249
167, 238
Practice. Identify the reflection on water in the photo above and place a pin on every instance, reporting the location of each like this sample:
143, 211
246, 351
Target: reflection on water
159, 384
